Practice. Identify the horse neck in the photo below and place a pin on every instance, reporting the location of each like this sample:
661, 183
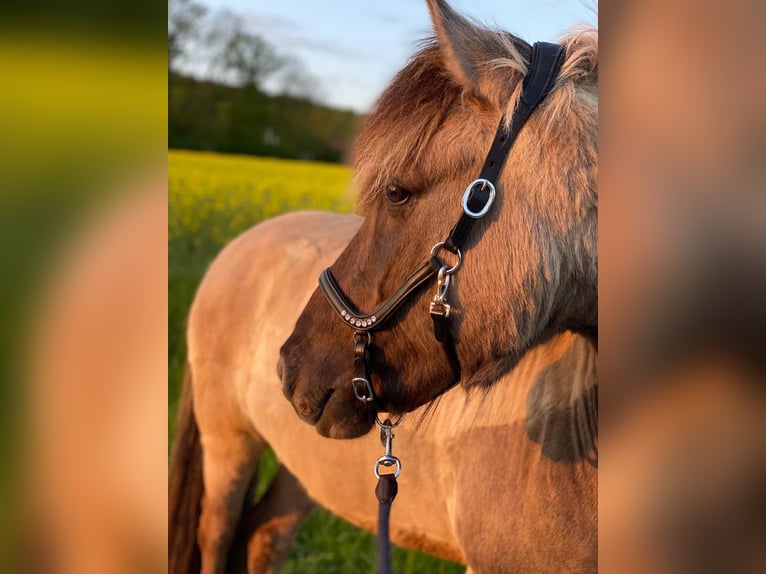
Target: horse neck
562, 405
551, 392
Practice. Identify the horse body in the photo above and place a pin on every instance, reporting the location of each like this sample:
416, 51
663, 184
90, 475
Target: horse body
492, 478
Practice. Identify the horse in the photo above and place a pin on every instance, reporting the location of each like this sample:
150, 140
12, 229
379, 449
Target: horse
528, 287
530, 268
525, 445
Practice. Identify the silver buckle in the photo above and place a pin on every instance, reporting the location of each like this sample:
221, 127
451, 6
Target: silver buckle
370, 396
483, 211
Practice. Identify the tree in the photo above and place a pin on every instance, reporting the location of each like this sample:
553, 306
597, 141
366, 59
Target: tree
185, 24
250, 59
294, 80
240, 57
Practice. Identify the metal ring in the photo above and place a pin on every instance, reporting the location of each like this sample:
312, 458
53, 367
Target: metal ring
450, 270
388, 461
483, 211
392, 425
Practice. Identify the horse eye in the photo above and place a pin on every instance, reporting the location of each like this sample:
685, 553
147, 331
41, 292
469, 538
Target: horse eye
396, 195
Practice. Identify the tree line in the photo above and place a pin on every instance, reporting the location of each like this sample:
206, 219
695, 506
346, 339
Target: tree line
230, 90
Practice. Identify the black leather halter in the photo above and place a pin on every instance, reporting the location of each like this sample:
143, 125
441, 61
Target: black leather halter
544, 68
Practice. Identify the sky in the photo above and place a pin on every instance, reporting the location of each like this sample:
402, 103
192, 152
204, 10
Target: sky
354, 47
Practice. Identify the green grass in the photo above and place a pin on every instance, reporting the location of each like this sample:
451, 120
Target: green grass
212, 199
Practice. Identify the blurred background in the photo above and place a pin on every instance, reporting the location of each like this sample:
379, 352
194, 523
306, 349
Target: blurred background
83, 124
293, 79
682, 253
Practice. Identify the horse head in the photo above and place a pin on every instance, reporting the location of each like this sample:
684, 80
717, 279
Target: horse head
530, 265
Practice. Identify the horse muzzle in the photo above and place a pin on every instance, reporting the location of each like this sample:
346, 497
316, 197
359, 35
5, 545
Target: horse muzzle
328, 405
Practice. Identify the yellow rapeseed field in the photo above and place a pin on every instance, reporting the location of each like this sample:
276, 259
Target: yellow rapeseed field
214, 197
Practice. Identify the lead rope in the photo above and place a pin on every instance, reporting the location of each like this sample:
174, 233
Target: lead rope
385, 492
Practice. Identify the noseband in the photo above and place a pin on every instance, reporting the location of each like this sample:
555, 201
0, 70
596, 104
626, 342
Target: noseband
544, 68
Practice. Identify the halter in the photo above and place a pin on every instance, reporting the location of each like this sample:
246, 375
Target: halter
478, 198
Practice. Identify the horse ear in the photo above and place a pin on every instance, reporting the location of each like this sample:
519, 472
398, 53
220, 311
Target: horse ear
482, 60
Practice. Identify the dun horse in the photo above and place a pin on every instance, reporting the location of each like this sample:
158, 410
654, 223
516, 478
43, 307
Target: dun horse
477, 489
502, 479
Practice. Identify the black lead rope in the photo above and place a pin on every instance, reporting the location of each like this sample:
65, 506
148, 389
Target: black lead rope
385, 493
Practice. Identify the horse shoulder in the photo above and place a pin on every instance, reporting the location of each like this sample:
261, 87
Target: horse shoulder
495, 460
252, 292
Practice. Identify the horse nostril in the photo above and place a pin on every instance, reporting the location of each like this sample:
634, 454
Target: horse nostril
304, 408
309, 407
